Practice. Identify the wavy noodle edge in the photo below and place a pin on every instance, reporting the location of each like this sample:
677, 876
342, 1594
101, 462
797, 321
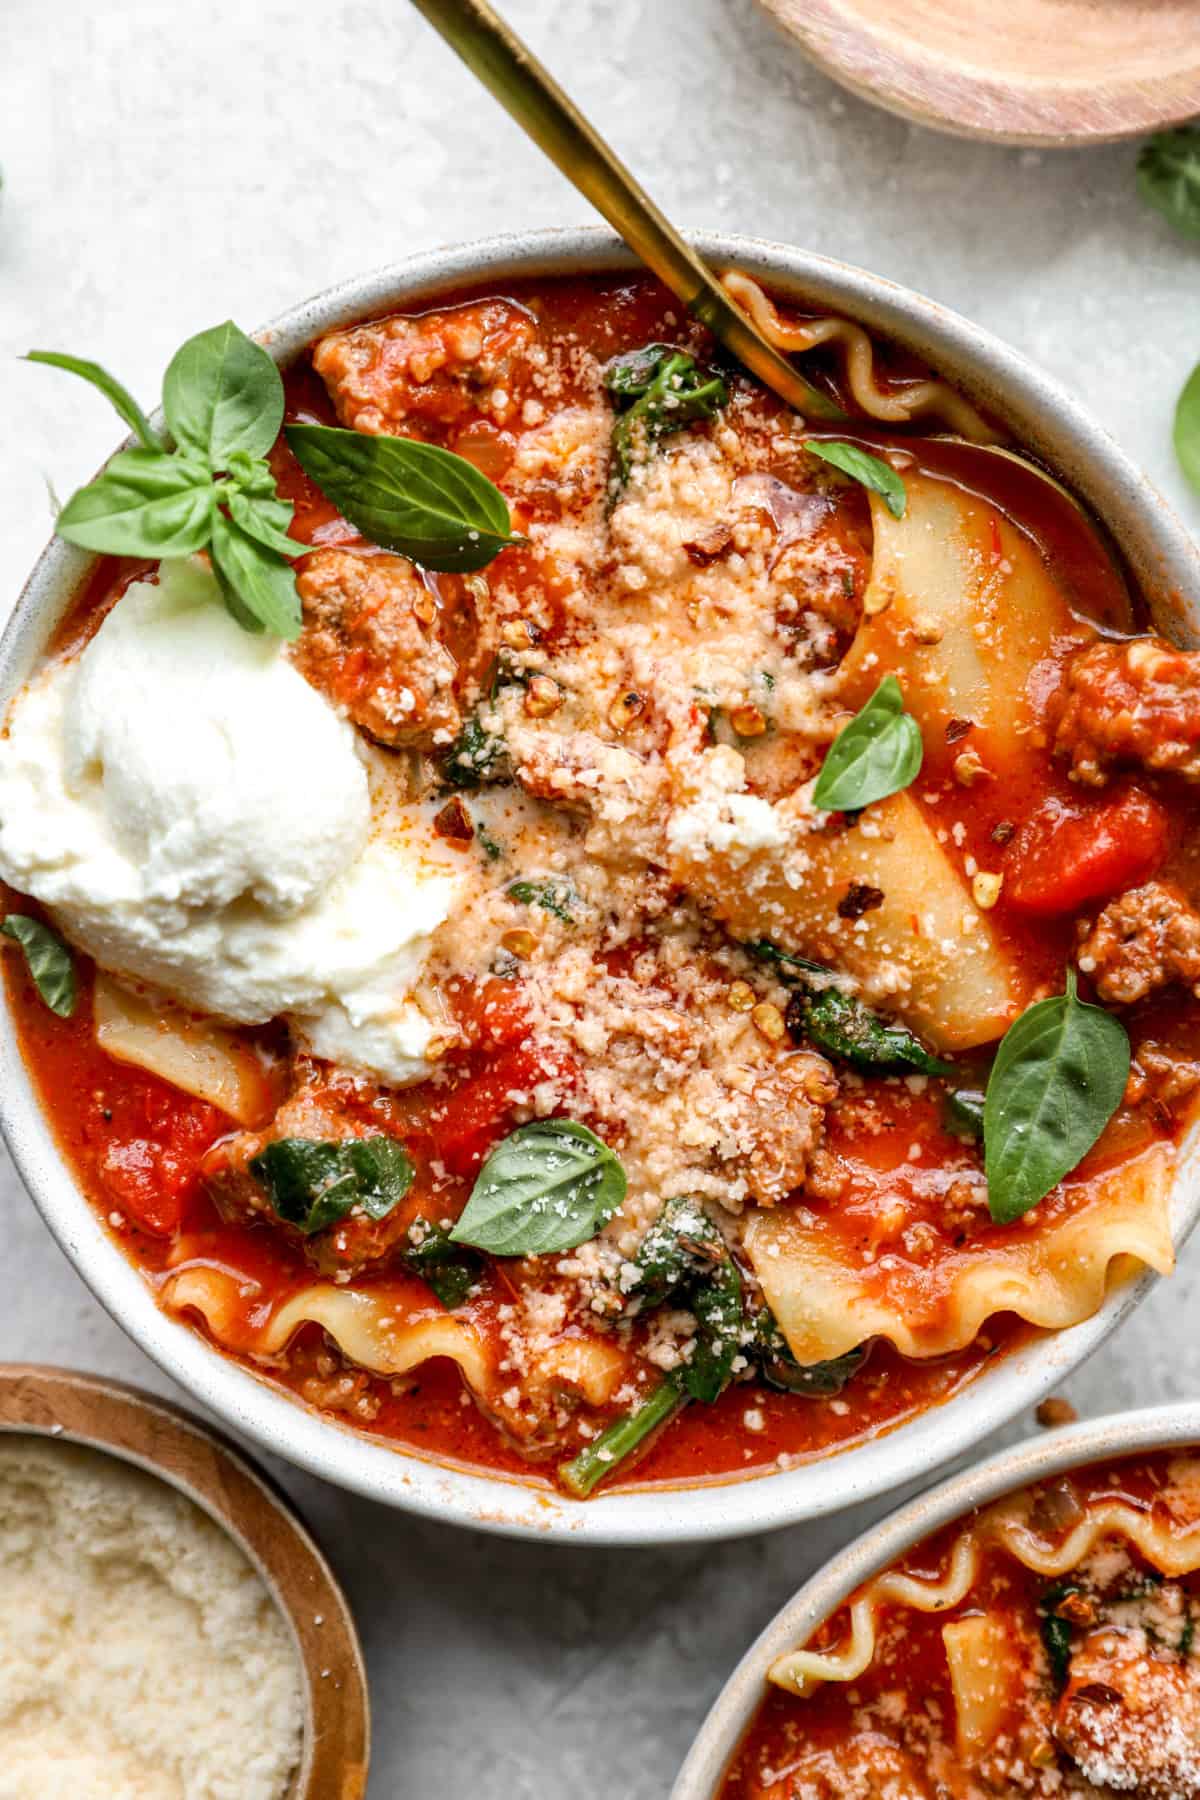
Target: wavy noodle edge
1171, 1553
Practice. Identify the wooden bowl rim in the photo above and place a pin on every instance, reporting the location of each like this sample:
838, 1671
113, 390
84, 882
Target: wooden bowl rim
161, 1438
918, 86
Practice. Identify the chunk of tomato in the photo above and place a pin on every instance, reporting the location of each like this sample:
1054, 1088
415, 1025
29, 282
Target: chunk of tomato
464, 1126
1067, 856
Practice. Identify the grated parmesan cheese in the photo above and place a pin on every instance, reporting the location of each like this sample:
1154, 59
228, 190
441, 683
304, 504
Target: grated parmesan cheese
141, 1657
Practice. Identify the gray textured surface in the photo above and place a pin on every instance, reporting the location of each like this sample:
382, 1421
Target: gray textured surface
167, 166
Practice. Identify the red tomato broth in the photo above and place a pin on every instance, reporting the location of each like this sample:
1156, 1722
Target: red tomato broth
462, 1117
905, 1695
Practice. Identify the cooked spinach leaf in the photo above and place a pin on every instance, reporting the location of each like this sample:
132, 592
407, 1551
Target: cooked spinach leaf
49, 961
839, 1024
312, 1184
557, 897
962, 1112
619, 1440
1056, 1632
1057, 1080
548, 1186
450, 1270
666, 388
684, 1255
477, 755
781, 1370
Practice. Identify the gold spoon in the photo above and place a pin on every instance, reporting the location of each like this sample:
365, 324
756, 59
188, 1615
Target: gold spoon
508, 68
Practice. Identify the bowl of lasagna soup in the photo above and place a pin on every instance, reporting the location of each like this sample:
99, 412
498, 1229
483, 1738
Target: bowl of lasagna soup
584, 953
1026, 1628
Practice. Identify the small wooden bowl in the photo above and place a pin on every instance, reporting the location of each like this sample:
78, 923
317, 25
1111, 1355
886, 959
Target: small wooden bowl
1052, 72
139, 1428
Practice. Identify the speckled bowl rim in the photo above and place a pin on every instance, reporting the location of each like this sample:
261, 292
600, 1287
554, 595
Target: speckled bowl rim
1115, 1435
1045, 418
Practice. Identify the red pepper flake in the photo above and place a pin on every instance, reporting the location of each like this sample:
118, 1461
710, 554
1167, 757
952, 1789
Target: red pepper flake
710, 547
1002, 831
957, 729
858, 899
455, 822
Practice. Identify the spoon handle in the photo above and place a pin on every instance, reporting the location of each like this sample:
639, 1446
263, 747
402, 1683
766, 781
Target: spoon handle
509, 69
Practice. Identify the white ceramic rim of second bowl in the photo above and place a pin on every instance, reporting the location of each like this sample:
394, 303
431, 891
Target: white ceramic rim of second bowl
1048, 421
1115, 1435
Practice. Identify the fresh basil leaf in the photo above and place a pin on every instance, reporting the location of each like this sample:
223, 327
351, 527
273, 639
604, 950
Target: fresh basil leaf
668, 389
311, 1184
223, 394
430, 505
1057, 1080
618, 1441
549, 1186
879, 753
266, 521
120, 397
1168, 177
259, 586
870, 471
1187, 428
50, 962
450, 1270
557, 897
144, 504
781, 1370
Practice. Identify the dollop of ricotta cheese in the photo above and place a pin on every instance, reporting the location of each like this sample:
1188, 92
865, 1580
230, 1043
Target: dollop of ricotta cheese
197, 816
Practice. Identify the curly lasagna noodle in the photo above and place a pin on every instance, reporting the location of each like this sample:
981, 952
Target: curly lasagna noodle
1044, 1646
528, 865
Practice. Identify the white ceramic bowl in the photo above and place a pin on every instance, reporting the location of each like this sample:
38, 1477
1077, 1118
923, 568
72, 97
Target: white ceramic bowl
1043, 418
1118, 1434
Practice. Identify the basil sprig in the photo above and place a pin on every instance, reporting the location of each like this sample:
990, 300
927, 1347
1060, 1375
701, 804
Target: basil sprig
1168, 177
665, 389
223, 403
430, 505
311, 1184
879, 753
1057, 1080
548, 1186
49, 961
870, 471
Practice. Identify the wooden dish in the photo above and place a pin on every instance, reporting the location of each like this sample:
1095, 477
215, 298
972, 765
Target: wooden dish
150, 1433
1053, 72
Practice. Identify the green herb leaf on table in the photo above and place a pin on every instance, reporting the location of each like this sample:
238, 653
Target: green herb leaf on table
450, 1270
145, 503
667, 389
870, 471
878, 753
259, 587
548, 1186
223, 394
311, 1184
120, 397
428, 504
1187, 428
1168, 177
49, 961
1058, 1077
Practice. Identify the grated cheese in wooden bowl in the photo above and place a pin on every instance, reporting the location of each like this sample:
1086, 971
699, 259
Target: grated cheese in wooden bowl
141, 1656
